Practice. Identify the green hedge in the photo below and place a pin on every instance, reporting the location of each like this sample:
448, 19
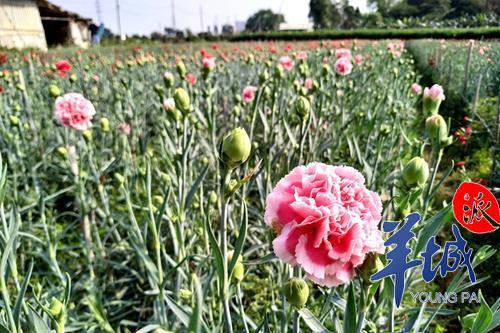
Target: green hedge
448, 33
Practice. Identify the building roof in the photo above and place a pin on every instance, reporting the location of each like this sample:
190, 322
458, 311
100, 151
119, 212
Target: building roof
49, 11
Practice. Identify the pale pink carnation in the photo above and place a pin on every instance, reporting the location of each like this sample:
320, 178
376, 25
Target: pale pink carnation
168, 76
249, 93
287, 63
435, 93
358, 59
308, 84
343, 53
169, 104
208, 63
343, 66
326, 220
124, 128
416, 88
73, 110
302, 55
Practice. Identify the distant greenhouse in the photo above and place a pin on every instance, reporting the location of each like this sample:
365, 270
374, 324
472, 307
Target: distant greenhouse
39, 24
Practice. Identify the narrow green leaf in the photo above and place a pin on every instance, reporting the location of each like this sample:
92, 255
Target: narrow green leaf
194, 188
194, 322
432, 227
242, 234
215, 250
312, 322
350, 311
20, 297
3, 329
67, 290
38, 324
483, 318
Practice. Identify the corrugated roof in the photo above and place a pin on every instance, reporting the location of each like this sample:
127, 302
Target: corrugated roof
60, 12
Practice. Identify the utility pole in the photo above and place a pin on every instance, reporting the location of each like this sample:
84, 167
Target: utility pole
118, 20
173, 13
202, 25
98, 10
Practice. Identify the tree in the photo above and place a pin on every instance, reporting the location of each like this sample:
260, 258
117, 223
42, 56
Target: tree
351, 17
264, 20
324, 14
227, 29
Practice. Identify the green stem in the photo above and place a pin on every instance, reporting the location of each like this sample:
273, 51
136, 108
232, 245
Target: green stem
223, 235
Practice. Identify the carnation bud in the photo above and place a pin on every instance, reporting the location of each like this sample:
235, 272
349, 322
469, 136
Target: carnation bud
370, 266
62, 151
302, 107
416, 171
54, 91
325, 69
296, 292
239, 269
87, 135
119, 178
236, 147
213, 197
185, 293
105, 124
14, 121
73, 78
437, 130
264, 76
181, 69
56, 307
168, 79
182, 101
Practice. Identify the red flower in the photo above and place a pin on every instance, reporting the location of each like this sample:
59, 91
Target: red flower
460, 164
3, 58
63, 66
191, 78
1, 89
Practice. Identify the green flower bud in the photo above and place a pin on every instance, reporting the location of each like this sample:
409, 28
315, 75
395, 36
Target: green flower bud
165, 177
20, 87
416, 172
325, 70
56, 307
104, 124
87, 135
73, 78
239, 271
54, 91
168, 79
185, 293
370, 266
437, 130
14, 121
264, 76
213, 197
62, 151
296, 292
181, 98
236, 147
302, 107
119, 178
181, 69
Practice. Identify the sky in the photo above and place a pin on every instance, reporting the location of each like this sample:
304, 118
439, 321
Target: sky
146, 16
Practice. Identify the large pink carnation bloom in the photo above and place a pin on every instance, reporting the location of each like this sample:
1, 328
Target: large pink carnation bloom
327, 221
73, 110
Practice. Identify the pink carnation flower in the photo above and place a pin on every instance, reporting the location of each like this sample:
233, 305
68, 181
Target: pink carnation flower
326, 220
125, 128
287, 63
358, 59
343, 53
208, 63
343, 66
416, 88
308, 84
73, 110
302, 55
249, 93
435, 93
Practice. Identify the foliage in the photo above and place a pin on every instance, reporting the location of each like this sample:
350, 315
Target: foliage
264, 20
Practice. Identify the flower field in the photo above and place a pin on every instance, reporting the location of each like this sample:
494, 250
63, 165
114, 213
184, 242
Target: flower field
242, 187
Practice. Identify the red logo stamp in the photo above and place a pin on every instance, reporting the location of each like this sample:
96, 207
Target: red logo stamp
476, 208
